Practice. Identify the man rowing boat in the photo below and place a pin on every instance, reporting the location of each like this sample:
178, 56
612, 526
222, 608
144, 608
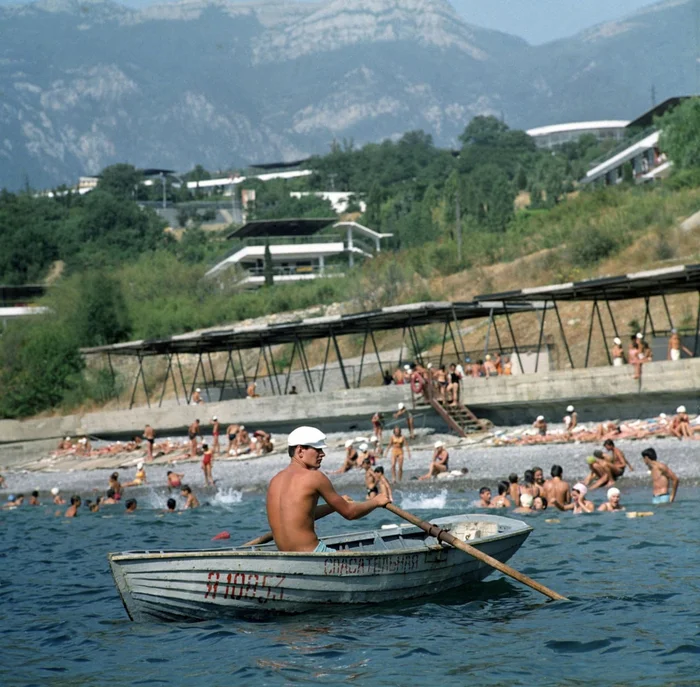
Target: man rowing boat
293, 493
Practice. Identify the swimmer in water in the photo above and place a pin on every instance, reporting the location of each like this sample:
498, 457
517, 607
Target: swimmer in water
174, 479
579, 503
191, 499
484, 498
613, 503
661, 477
72, 510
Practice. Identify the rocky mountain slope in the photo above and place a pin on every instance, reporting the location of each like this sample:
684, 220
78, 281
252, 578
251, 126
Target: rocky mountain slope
219, 82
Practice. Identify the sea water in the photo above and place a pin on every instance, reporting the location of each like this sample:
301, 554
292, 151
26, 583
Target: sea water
633, 617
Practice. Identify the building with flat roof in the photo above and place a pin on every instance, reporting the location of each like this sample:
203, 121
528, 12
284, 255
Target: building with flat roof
639, 151
557, 134
299, 248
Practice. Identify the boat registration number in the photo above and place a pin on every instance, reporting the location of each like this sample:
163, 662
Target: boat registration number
240, 585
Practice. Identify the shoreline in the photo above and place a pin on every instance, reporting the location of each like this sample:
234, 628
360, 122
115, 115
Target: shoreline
487, 465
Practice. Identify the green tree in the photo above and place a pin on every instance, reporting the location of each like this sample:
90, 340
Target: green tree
267, 266
680, 134
120, 180
488, 198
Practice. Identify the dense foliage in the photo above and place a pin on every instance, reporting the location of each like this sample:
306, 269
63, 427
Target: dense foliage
123, 276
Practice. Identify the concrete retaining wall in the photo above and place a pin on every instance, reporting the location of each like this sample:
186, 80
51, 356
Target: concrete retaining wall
597, 393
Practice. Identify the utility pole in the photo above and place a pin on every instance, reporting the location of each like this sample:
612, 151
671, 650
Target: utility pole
162, 178
458, 227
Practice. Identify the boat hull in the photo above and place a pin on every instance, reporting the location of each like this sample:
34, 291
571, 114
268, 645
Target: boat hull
200, 585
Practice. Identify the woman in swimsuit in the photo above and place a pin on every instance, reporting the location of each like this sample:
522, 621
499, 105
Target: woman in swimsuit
140, 477
397, 442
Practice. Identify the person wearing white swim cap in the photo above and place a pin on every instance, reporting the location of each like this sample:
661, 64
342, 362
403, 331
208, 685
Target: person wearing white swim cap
579, 503
293, 494
613, 503
680, 424
351, 459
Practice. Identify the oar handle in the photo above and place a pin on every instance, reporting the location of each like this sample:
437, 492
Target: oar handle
448, 538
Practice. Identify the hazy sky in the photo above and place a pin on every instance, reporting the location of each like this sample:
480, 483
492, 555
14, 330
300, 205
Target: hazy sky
538, 21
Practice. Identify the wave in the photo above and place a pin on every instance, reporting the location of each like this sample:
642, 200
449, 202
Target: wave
413, 501
226, 497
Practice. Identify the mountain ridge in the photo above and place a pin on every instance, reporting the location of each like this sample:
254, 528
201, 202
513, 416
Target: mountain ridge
222, 83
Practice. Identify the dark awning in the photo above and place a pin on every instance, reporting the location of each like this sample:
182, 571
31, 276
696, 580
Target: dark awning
281, 227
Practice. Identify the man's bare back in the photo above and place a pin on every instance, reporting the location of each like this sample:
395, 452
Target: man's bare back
293, 494
556, 489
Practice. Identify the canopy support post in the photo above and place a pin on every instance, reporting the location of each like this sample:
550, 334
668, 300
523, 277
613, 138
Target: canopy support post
539, 340
289, 371
362, 359
340, 360
563, 335
512, 336
602, 329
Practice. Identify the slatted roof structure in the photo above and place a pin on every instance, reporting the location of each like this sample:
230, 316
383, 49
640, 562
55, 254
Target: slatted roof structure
26, 293
264, 337
662, 282
282, 227
280, 165
644, 285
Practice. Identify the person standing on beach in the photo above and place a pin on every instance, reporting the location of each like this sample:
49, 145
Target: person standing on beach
675, 347
193, 432
215, 449
149, 435
397, 443
404, 412
207, 460
293, 494
661, 477
231, 432
377, 427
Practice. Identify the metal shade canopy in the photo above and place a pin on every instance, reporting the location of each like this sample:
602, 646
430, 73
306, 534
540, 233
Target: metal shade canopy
282, 227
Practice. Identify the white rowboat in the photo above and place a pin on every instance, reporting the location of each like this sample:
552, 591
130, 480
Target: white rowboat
370, 567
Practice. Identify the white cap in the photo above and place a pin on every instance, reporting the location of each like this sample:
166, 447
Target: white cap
67, 438
197, 390
407, 367
674, 331
569, 409
526, 500
540, 418
363, 447
215, 418
488, 356
662, 415
439, 444
640, 335
401, 406
348, 443
307, 436
254, 440
241, 426
83, 440
373, 439
613, 491
680, 409
55, 491
430, 366
617, 340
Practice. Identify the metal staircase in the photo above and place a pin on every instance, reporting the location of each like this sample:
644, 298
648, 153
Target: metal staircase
457, 417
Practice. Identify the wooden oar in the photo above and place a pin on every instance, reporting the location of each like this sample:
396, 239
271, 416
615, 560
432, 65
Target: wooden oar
442, 535
321, 512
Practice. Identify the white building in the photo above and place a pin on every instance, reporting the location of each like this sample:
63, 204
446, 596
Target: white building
558, 134
297, 250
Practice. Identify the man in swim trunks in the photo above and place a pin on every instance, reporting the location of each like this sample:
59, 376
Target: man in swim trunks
370, 478
601, 473
661, 475
293, 494
383, 483
514, 488
617, 459
231, 432
192, 433
149, 435
613, 503
72, 510
675, 347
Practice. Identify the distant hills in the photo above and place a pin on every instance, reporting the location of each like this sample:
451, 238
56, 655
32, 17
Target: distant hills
220, 83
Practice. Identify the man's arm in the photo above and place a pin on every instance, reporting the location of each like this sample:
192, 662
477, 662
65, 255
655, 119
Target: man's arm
568, 506
350, 511
674, 480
